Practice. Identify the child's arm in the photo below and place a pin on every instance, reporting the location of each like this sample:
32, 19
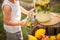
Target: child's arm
7, 14
25, 11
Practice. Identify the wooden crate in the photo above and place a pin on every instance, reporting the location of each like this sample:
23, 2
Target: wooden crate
50, 29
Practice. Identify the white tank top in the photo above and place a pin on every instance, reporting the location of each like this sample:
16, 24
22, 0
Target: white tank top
15, 16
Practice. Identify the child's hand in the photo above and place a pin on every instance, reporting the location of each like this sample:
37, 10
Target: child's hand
24, 22
31, 12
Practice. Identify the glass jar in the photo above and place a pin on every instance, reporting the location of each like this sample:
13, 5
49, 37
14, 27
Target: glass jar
43, 17
42, 10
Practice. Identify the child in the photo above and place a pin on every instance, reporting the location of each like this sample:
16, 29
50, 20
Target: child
12, 15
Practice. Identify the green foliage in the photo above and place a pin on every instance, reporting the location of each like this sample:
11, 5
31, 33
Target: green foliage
55, 6
2, 31
24, 32
1, 1
57, 9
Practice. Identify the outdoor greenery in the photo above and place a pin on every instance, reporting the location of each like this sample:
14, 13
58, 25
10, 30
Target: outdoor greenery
2, 31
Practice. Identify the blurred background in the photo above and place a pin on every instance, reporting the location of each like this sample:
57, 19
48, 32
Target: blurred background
27, 4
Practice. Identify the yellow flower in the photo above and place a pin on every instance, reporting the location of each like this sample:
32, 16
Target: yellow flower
52, 38
28, 24
30, 37
58, 36
39, 32
43, 2
42, 5
46, 1
38, 7
48, 7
